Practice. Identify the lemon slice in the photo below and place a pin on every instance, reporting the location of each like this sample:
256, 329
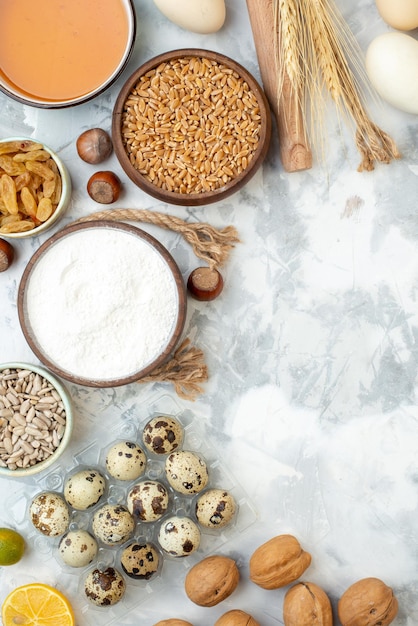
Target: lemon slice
37, 604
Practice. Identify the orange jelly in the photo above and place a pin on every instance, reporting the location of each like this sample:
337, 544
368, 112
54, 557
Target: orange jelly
56, 50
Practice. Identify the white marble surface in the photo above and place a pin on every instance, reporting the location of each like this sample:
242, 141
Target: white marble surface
311, 348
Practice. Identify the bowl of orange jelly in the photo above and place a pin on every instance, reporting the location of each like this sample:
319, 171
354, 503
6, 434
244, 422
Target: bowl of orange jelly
59, 54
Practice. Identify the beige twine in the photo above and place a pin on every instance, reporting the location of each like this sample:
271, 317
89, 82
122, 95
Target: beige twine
208, 243
186, 370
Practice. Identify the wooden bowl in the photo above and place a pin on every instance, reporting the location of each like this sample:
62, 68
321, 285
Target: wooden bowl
196, 130
52, 340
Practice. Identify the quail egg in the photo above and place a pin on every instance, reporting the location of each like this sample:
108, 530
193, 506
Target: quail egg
77, 548
140, 561
162, 434
148, 500
186, 472
49, 513
113, 524
179, 536
104, 587
84, 489
215, 508
126, 460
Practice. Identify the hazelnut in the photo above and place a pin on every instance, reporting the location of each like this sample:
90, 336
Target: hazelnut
6, 255
104, 187
205, 283
94, 146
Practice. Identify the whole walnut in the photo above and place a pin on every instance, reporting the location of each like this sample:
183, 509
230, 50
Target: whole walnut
278, 562
236, 618
306, 604
212, 580
173, 622
368, 602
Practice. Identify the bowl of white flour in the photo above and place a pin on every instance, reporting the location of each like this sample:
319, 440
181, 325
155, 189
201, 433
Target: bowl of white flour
102, 304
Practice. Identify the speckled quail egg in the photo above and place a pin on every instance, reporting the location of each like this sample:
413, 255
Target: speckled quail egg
126, 460
186, 472
113, 524
179, 536
84, 489
140, 560
215, 508
162, 434
104, 587
77, 548
148, 500
50, 514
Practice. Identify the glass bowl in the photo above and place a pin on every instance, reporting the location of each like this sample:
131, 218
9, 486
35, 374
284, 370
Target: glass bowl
79, 50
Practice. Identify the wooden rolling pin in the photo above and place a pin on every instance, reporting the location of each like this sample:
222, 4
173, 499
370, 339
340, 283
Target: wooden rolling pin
294, 149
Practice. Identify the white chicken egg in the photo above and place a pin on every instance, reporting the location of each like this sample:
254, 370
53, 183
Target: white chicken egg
392, 67
77, 548
400, 14
49, 514
198, 16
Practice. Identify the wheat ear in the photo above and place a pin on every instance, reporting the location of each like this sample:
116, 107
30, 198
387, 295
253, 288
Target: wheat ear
331, 43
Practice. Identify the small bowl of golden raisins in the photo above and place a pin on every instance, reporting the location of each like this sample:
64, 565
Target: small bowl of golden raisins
35, 187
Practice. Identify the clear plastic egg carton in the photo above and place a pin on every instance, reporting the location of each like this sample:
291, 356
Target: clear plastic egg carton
93, 457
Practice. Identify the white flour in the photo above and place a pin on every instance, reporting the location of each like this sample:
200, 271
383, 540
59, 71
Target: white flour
101, 303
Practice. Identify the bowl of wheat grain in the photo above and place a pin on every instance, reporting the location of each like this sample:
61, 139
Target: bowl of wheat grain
191, 127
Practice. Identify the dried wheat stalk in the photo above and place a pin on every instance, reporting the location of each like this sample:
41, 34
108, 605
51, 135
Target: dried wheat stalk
287, 14
320, 53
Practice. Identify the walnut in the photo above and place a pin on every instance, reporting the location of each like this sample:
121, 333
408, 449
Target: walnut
212, 580
306, 604
173, 622
236, 618
368, 602
278, 562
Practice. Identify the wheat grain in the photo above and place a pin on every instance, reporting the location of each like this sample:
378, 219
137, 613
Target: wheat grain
198, 126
